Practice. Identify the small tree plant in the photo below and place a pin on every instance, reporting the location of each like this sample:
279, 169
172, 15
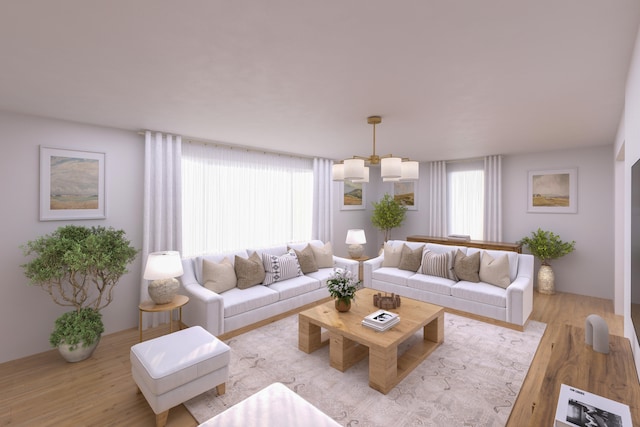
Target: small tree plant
388, 213
546, 245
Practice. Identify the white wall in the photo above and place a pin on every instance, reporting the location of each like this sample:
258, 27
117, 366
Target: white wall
27, 312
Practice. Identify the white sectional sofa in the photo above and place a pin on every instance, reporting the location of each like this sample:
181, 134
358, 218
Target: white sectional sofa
234, 308
511, 301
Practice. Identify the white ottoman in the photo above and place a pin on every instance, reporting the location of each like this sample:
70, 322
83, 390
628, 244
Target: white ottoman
273, 406
174, 368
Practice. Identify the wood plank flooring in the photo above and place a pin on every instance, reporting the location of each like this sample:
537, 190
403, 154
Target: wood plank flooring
44, 390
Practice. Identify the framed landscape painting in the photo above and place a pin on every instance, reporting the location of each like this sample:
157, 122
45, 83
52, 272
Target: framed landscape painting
72, 184
405, 192
553, 191
352, 196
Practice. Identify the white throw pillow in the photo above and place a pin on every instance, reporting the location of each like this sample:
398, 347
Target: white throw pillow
392, 254
218, 277
495, 271
323, 255
277, 268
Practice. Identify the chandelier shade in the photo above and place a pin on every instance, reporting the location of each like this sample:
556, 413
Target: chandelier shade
356, 169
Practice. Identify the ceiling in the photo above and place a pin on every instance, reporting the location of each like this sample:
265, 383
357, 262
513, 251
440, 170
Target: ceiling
451, 78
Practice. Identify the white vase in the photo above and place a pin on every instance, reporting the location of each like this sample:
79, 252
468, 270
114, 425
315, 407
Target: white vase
80, 352
546, 280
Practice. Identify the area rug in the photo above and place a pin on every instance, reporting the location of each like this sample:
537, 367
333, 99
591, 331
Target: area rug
472, 379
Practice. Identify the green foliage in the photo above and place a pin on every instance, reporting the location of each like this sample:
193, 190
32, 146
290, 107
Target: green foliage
387, 214
79, 266
343, 285
545, 245
75, 327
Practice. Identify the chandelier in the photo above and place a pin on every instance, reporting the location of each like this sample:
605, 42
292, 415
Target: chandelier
392, 168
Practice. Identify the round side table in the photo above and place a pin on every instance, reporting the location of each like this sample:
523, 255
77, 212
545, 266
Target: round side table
151, 307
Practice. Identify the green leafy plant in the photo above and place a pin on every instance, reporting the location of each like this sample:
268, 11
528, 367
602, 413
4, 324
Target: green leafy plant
343, 285
79, 267
388, 213
546, 245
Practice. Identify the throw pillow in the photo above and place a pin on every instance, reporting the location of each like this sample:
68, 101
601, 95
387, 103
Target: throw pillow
467, 267
281, 267
249, 271
392, 255
495, 271
323, 255
218, 277
410, 258
307, 259
440, 265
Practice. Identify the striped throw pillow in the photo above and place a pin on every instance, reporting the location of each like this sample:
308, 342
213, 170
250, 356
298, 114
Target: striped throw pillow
281, 267
440, 265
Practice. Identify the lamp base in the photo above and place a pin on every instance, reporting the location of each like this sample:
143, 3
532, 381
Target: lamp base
356, 251
162, 291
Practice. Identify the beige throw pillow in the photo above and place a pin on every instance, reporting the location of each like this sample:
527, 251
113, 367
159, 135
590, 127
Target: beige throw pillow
249, 271
392, 255
467, 267
410, 259
307, 260
218, 277
495, 271
323, 255
440, 265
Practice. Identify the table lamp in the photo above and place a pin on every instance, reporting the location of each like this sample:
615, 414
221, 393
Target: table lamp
162, 269
355, 240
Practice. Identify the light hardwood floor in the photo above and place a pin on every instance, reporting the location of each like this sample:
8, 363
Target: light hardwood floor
44, 390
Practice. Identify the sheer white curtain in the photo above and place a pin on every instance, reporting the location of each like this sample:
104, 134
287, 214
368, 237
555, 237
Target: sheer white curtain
235, 198
322, 225
493, 198
465, 208
438, 199
162, 204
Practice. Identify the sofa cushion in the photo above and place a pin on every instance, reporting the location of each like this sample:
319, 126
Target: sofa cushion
307, 260
440, 265
495, 271
480, 292
467, 267
322, 275
323, 255
198, 261
249, 271
238, 301
435, 284
392, 275
392, 254
296, 286
410, 258
218, 277
511, 256
283, 267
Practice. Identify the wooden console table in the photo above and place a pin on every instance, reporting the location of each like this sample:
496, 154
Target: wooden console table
480, 244
574, 363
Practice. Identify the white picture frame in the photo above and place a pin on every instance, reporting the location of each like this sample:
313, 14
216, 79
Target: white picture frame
72, 184
352, 196
406, 192
553, 191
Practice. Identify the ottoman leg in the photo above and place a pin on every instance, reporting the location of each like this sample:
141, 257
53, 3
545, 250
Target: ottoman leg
221, 388
161, 419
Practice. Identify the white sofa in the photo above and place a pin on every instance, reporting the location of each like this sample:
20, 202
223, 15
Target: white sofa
235, 308
512, 304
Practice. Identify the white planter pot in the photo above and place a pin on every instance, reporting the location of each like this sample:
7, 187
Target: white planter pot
546, 280
79, 353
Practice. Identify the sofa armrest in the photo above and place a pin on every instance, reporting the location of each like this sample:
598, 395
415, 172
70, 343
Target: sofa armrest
205, 307
520, 292
369, 266
346, 264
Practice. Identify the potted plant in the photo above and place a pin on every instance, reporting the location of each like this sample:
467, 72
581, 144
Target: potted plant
79, 267
546, 245
388, 213
342, 286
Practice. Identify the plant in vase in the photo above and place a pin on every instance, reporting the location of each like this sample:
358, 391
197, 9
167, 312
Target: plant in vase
79, 267
342, 286
546, 245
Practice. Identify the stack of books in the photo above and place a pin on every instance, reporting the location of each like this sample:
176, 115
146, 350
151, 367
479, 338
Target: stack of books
381, 320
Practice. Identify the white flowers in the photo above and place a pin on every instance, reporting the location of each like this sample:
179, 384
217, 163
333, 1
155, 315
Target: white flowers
343, 284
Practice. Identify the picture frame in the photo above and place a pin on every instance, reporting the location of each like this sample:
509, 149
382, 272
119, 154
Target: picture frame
72, 184
352, 196
553, 191
406, 192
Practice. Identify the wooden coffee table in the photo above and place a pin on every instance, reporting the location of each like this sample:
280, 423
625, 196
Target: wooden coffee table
350, 342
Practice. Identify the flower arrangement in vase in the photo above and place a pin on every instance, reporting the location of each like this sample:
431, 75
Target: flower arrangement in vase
342, 286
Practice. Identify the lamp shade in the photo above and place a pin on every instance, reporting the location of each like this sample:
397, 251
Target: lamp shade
163, 265
390, 167
337, 172
354, 169
356, 237
366, 176
410, 171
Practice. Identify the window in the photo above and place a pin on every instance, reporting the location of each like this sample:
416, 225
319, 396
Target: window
234, 199
465, 198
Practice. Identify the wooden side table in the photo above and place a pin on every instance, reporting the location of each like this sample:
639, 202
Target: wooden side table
360, 267
151, 307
